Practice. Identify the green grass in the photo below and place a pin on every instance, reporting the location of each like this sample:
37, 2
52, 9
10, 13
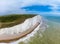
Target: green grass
50, 36
10, 18
14, 19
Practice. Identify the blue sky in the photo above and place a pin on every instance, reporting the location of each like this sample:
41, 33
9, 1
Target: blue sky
40, 8
30, 6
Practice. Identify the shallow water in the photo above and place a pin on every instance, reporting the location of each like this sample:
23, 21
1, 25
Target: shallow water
50, 36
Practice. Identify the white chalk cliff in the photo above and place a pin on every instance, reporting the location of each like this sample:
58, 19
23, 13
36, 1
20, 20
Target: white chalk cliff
24, 26
21, 27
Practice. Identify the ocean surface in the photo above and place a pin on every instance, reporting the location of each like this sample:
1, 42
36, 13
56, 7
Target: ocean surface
52, 34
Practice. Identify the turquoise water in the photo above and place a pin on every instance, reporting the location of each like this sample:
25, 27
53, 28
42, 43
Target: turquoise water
52, 34
53, 18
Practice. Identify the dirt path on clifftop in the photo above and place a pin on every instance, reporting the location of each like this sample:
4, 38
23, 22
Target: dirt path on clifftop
9, 38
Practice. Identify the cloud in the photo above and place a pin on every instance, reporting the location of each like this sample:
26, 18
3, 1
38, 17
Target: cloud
53, 3
10, 6
14, 6
4, 4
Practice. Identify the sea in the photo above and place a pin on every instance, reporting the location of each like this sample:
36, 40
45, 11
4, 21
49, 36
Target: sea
53, 31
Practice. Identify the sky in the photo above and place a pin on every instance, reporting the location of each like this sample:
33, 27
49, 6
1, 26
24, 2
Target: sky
30, 6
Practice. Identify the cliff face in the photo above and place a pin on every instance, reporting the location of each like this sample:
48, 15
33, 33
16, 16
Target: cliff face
36, 23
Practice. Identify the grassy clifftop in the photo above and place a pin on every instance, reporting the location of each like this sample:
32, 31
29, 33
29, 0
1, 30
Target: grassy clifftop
11, 20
